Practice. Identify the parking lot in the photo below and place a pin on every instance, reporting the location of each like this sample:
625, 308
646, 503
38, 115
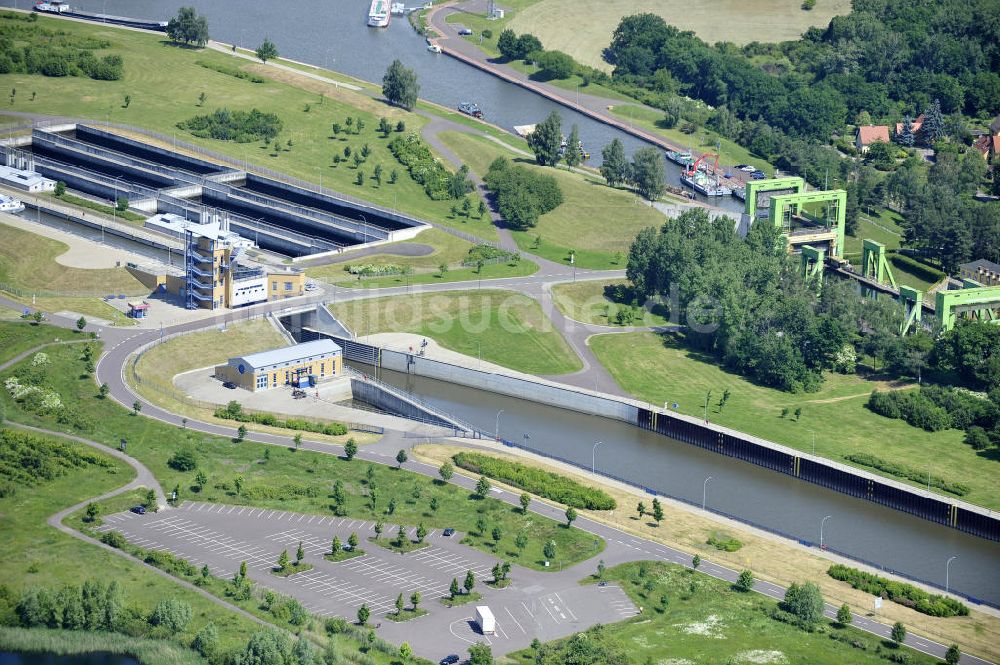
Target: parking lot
536, 604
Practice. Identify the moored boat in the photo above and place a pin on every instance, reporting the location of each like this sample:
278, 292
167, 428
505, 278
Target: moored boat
678, 157
704, 184
379, 14
470, 108
10, 204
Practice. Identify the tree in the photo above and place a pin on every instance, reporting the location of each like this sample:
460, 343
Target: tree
844, 615
470, 581
657, 511
363, 614
497, 535
202, 97
481, 210
93, 512
335, 546
241, 433
171, 615
183, 460
695, 562
442, 269
446, 471
401, 458
297, 440
480, 654
352, 541
906, 137
898, 633
206, 641
600, 569
81, 323
525, 502
953, 655
554, 65
267, 50
546, 140
745, 581
648, 172
805, 602
399, 86
379, 528
549, 550
399, 604
188, 27
453, 589
520, 542
200, 480
421, 532
641, 509
300, 554
136, 407
350, 449
570, 516
103, 391
405, 652
482, 487
932, 128
434, 504
507, 44
415, 600
283, 560
574, 150
614, 166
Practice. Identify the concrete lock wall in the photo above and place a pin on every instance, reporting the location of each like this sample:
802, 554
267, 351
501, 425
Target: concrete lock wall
383, 399
146, 151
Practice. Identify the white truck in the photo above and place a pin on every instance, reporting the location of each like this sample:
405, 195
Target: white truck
487, 623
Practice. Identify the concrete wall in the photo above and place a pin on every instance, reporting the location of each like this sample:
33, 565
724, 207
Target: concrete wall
146, 151
383, 399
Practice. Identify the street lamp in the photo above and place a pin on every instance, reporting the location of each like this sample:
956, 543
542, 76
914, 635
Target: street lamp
704, 492
947, 573
365, 228
497, 433
593, 458
822, 522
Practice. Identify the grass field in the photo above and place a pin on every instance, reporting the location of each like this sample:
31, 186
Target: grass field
706, 621
584, 28
501, 327
164, 82
704, 140
280, 477
581, 222
657, 369
448, 249
67, 642
586, 302
34, 554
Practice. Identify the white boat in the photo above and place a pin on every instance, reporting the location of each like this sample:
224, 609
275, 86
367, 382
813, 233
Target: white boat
704, 184
433, 48
524, 130
379, 14
53, 7
398, 8
10, 205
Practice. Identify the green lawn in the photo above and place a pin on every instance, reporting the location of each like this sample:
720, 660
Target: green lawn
164, 82
522, 268
283, 478
586, 302
18, 336
581, 223
657, 369
704, 140
34, 554
706, 621
505, 327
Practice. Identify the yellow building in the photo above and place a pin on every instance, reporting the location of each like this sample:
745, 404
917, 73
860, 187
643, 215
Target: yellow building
982, 271
300, 365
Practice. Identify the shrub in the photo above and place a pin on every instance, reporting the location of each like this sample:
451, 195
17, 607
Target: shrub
231, 71
114, 539
898, 592
240, 126
537, 481
919, 268
172, 615
913, 407
183, 460
416, 156
522, 195
234, 411
724, 544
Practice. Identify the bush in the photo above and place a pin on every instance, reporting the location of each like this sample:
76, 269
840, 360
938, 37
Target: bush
183, 460
418, 159
114, 539
918, 268
913, 407
900, 471
522, 195
898, 592
231, 71
172, 615
805, 602
239, 126
234, 411
543, 483
724, 544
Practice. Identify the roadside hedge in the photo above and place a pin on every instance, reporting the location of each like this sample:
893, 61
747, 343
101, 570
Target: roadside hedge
234, 411
898, 592
918, 268
543, 483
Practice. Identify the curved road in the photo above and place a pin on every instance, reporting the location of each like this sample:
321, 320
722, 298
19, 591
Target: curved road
121, 343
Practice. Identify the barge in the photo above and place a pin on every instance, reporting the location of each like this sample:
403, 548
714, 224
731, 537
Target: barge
64, 9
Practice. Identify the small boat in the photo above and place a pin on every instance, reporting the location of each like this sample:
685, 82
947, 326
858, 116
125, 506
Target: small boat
678, 157
378, 14
398, 8
54, 7
470, 108
704, 184
10, 205
433, 48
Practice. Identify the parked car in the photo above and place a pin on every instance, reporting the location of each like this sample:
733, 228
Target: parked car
602, 583
465, 31
758, 175
138, 510
747, 168
298, 393
741, 166
448, 533
310, 286
229, 384
450, 660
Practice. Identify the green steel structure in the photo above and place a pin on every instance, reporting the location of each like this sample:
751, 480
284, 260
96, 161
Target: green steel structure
874, 264
785, 206
913, 300
812, 262
757, 187
977, 302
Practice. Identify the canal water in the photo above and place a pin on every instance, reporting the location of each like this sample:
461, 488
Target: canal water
94, 658
334, 35
888, 538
